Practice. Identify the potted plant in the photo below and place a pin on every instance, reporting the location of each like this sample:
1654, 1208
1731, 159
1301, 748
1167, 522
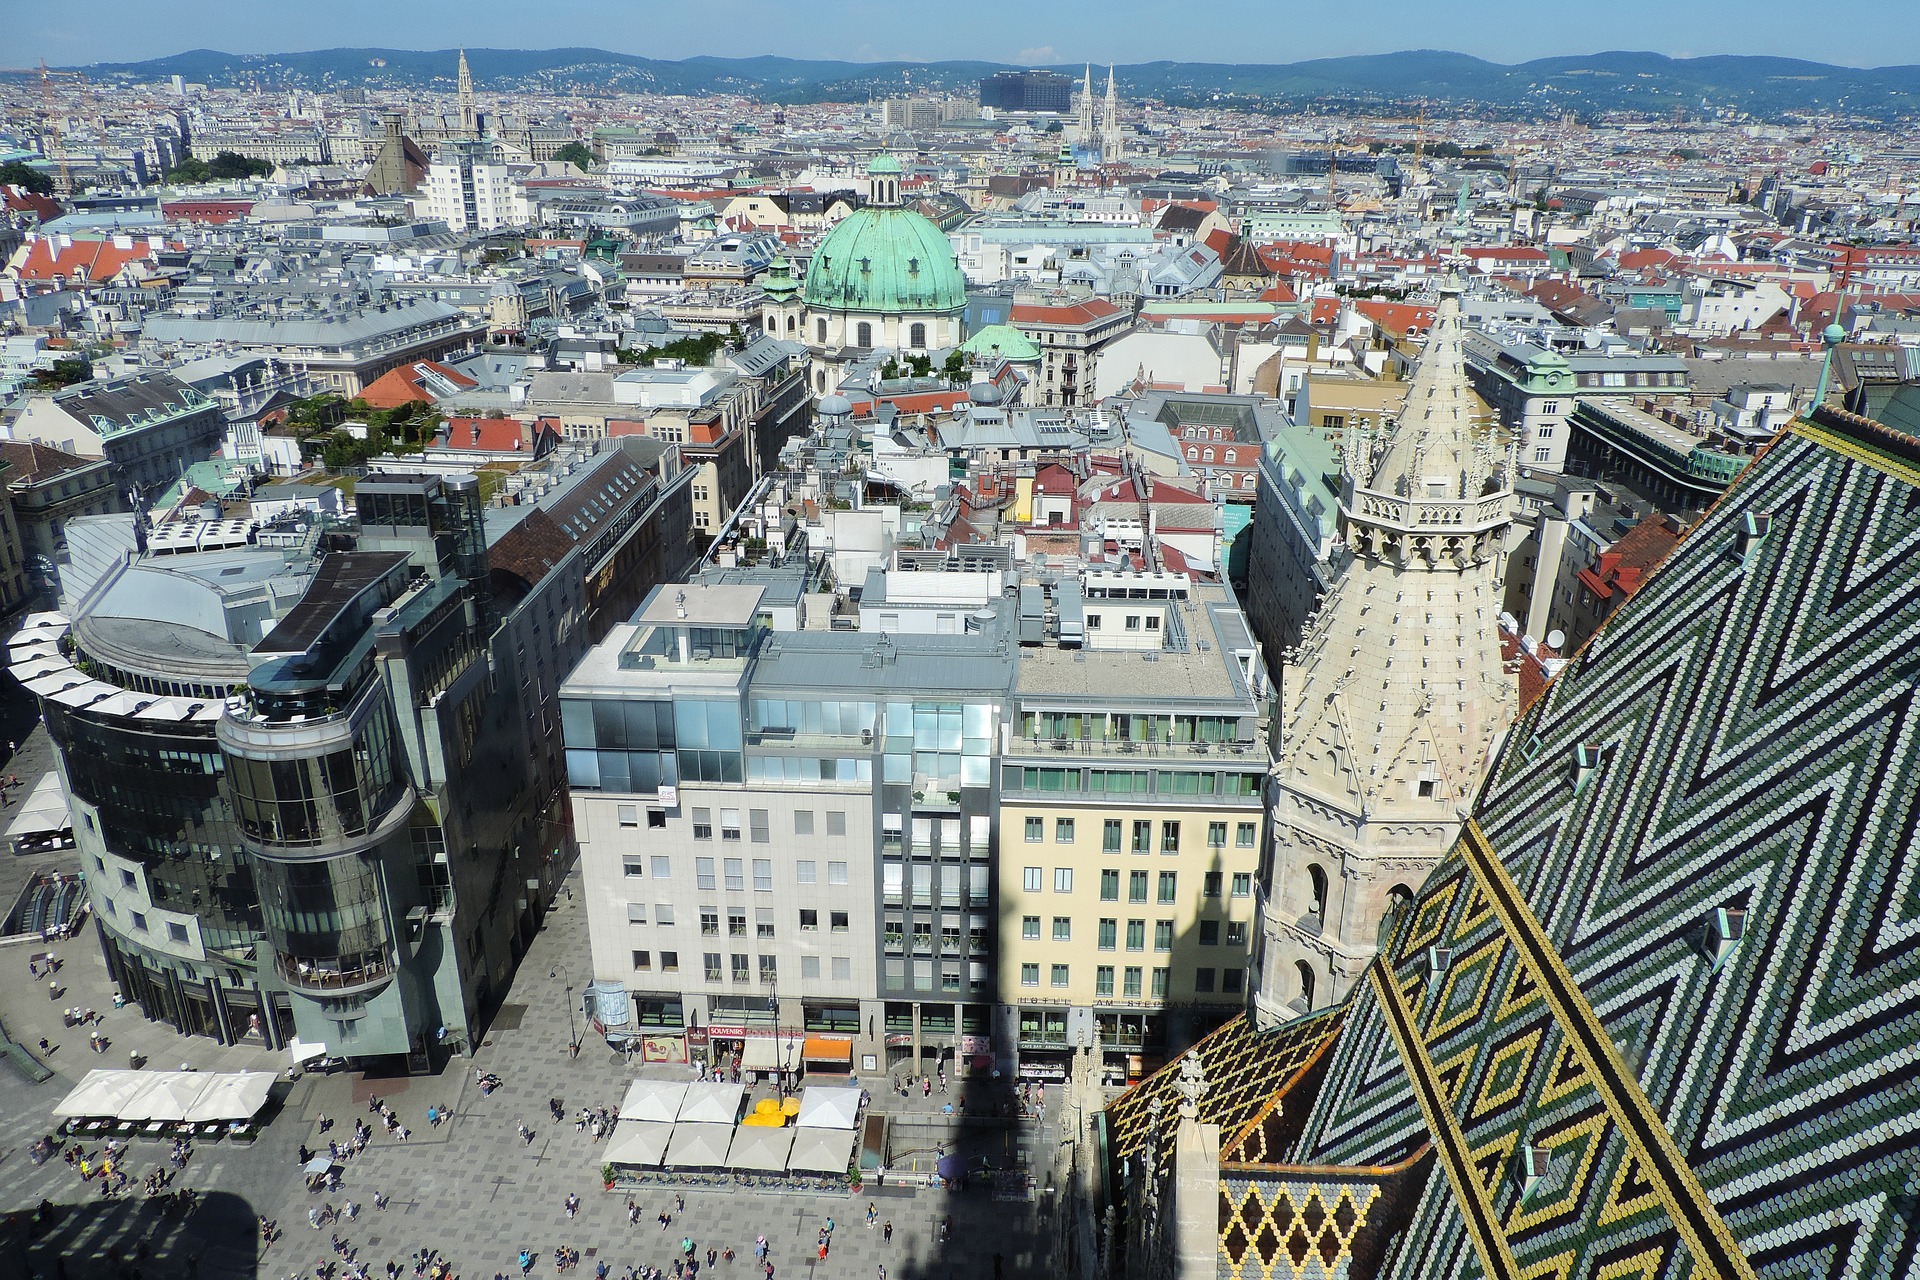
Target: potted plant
606, 1175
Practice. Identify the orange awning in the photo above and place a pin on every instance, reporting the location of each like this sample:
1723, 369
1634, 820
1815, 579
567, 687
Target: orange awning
822, 1049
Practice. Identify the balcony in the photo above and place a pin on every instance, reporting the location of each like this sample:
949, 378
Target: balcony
333, 977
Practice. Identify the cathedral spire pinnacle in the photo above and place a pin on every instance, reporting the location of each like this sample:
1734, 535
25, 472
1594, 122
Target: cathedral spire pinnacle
1432, 451
469, 117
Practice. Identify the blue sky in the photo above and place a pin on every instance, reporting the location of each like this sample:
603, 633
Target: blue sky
999, 30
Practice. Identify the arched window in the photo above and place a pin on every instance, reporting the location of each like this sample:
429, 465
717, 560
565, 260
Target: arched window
1317, 884
793, 323
917, 336
863, 334
1306, 983
1209, 453
1398, 897
1230, 455
822, 330
1246, 481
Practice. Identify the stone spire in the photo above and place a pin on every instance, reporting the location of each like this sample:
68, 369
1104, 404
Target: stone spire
1393, 700
1084, 136
469, 117
1110, 145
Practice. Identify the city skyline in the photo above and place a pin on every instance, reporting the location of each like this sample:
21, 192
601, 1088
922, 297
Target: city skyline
1504, 31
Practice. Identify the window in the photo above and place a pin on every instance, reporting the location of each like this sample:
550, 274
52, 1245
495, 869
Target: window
703, 824
1163, 935
809, 968
729, 824
1137, 886
804, 871
1109, 886
712, 966
1210, 885
1136, 935
1169, 837
1132, 988
842, 969
803, 822
1103, 981
758, 830
763, 922
1549, 406
629, 814
736, 922
1063, 929
126, 878
1110, 836
1063, 830
1542, 433
836, 873
836, 822
1243, 835
663, 913
1032, 879
1243, 884
1029, 975
742, 968
1543, 454
809, 920
1108, 929
769, 971
176, 932
636, 913
709, 922
1030, 928
1236, 933
1203, 980
703, 875
1232, 981
1209, 933
632, 866
656, 819
917, 335
1160, 983
1059, 975
669, 962
1036, 830
837, 921
1133, 622
642, 960
1143, 837
736, 874
820, 331
1168, 881
1063, 879
863, 334
1216, 835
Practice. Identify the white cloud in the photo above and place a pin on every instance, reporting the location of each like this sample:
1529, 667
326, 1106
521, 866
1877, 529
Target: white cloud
1037, 57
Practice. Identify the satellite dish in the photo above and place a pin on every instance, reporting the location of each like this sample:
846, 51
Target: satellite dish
1556, 638
1590, 339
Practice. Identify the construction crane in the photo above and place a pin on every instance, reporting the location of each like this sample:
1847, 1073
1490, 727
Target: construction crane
49, 120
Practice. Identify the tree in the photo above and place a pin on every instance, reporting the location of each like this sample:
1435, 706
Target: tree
575, 153
190, 170
956, 365
63, 373
231, 164
15, 174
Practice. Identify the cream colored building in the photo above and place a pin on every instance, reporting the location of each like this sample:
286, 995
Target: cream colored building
1394, 699
1130, 824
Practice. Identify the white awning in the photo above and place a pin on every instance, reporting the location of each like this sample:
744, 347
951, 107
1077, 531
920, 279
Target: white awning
821, 1150
102, 1093
231, 1095
829, 1108
760, 1148
711, 1102
638, 1142
770, 1053
35, 666
169, 1095
43, 811
654, 1101
699, 1146
84, 694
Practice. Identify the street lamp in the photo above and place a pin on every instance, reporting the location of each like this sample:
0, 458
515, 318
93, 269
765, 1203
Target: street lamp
782, 1051
573, 1036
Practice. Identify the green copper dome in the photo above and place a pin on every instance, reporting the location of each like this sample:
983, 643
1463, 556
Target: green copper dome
1002, 340
888, 260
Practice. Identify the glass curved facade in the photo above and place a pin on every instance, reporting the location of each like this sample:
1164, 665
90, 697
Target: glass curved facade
326, 920
157, 790
303, 801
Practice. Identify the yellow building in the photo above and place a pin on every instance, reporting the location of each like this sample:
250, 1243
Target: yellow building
1130, 825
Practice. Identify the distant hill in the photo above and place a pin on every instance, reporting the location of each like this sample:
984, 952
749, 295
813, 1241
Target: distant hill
1613, 81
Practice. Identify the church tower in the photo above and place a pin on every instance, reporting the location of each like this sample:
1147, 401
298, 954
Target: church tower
1083, 135
1111, 146
469, 117
1391, 704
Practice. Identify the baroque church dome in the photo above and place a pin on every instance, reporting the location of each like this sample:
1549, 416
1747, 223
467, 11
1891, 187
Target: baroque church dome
886, 260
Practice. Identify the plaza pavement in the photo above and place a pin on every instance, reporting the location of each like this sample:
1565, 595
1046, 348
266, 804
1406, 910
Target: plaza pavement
470, 1187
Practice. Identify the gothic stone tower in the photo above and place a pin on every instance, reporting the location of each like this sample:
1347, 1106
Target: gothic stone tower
1391, 704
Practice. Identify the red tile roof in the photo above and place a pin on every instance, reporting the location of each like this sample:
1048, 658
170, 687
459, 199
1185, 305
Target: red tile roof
20, 200
44, 259
412, 382
1622, 568
486, 435
1087, 311
1396, 317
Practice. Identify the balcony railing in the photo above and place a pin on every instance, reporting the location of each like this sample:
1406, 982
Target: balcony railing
321, 976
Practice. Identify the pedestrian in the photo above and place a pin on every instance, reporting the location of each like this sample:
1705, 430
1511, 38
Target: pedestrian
883, 1271
526, 1135
886, 1232
379, 1199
